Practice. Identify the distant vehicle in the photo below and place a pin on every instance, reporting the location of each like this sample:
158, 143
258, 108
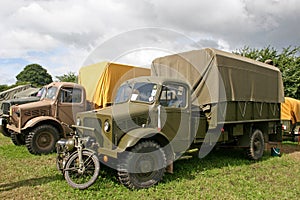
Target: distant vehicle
26, 96
290, 119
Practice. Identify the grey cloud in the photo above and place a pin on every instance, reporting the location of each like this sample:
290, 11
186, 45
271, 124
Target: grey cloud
115, 25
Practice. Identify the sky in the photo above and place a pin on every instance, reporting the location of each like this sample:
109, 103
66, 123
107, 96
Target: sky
64, 35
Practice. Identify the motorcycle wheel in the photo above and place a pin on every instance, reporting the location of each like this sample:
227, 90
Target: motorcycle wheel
85, 177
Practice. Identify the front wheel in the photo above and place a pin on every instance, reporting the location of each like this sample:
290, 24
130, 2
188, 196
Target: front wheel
143, 167
42, 139
257, 145
84, 177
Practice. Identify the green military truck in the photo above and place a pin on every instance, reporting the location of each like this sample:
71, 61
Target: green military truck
193, 100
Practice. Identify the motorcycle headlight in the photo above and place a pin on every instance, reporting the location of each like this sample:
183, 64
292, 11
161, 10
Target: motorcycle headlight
70, 144
106, 126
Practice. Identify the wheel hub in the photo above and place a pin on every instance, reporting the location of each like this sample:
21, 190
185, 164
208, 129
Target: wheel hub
44, 140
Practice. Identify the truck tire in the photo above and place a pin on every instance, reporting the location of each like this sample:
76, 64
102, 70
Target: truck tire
143, 167
257, 145
42, 140
85, 178
17, 139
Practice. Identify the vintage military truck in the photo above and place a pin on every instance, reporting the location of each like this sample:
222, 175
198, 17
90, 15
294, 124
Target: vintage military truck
192, 100
39, 124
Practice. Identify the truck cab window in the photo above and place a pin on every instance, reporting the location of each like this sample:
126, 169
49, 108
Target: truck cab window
70, 95
173, 96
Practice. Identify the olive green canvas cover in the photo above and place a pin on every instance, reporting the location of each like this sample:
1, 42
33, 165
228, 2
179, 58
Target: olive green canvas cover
218, 76
9, 94
27, 93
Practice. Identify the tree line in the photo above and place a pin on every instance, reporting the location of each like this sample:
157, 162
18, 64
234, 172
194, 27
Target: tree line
287, 60
38, 76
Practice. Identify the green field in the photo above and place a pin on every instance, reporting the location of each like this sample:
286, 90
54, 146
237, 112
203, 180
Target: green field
224, 174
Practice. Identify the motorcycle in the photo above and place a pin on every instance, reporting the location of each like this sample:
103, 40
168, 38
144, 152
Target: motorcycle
77, 158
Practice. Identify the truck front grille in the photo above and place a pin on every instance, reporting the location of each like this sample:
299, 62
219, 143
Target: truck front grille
36, 113
5, 108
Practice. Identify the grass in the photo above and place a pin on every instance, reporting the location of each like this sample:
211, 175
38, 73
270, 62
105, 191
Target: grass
223, 174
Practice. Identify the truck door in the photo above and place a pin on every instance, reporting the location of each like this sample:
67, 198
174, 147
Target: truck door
175, 115
70, 102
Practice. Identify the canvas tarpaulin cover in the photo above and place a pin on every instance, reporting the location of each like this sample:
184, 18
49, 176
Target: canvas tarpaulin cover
290, 110
101, 80
9, 94
27, 93
218, 76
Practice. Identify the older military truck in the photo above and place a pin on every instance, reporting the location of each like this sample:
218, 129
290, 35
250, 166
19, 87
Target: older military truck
39, 124
194, 99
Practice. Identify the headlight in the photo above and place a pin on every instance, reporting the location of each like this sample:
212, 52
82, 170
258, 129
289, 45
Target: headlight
106, 126
70, 144
78, 121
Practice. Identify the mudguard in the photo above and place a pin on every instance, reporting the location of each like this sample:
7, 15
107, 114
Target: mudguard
132, 137
32, 122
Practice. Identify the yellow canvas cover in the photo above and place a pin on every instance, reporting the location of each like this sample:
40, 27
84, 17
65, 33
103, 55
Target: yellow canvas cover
89, 76
101, 80
290, 110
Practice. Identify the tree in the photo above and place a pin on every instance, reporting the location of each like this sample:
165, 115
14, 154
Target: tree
3, 88
34, 74
288, 61
70, 77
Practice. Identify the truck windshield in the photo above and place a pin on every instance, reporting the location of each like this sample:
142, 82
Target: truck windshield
51, 93
141, 91
123, 93
42, 93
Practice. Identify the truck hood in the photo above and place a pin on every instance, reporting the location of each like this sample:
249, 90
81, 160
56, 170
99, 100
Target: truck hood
120, 111
22, 100
124, 110
35, 105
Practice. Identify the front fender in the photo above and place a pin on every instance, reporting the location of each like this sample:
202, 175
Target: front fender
132, 137
32, 122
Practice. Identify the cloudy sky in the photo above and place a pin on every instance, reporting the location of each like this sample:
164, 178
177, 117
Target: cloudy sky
63, 35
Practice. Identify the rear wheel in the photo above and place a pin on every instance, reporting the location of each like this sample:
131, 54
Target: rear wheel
42, 140
84, 177
257, 145
143, 167
17, 139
